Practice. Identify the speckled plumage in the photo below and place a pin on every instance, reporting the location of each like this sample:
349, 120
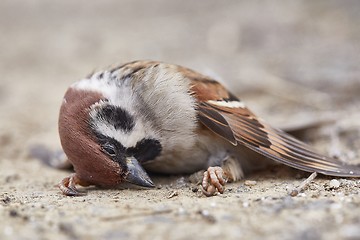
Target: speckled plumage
189, 122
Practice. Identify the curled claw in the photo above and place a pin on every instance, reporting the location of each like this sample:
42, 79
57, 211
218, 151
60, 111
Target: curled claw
213, 180
68, 186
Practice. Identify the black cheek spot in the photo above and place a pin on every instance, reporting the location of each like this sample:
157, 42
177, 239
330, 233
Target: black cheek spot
117, 117
146, 150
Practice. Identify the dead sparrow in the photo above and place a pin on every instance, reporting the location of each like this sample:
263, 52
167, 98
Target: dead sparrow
169, 119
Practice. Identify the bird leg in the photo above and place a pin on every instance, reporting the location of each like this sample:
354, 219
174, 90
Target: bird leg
68, 186
215, 178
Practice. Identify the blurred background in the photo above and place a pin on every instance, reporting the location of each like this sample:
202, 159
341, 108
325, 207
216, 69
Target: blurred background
296, 63
304, 52
284, 58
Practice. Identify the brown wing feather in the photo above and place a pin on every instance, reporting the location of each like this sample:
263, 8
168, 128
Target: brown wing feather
212, 119
239, 124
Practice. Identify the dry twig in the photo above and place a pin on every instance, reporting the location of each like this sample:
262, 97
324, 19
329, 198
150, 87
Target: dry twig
304, 184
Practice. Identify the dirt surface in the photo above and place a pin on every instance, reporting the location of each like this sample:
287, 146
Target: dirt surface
296, 64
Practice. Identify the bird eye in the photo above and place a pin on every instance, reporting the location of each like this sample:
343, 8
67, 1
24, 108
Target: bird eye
109, 149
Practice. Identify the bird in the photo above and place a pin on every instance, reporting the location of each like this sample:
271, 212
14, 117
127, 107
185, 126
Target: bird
119, 124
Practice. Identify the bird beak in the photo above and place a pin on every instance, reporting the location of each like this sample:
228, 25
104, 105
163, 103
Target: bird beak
137, 174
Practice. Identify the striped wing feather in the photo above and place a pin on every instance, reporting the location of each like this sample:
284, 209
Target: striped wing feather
226, 116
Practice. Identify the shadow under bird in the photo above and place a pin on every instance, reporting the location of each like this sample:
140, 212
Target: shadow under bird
143, 116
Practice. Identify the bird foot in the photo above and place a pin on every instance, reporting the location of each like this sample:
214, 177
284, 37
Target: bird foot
214, 180
68, 186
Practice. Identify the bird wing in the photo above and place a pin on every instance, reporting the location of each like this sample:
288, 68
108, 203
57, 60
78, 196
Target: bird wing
224, 114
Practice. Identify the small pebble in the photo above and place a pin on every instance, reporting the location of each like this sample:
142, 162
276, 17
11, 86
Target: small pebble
195, 189
182, 211
250, 183
204, 212
334, 184
6, 200
13, 213
207, 216
302, 194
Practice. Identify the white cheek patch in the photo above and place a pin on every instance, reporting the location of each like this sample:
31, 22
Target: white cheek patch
126, 139
229, 104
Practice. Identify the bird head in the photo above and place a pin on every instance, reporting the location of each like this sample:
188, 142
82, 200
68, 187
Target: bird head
103, 135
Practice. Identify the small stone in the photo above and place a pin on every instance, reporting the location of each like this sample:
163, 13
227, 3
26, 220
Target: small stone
302, 194
195, 189
250, 183
6, 200
294, 193
13, 213
204, 212
334, 184
207, 216
181, 211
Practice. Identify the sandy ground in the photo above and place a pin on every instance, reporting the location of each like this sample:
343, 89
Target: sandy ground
296, 64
